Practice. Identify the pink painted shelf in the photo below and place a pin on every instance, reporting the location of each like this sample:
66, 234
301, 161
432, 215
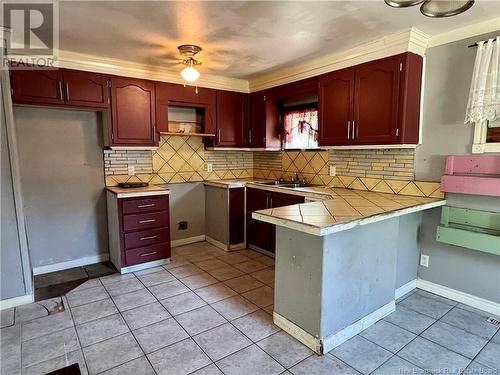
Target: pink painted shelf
470, 174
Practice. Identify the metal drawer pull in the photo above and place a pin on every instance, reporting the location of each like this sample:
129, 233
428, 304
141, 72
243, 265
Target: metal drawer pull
147, 238
147, 254
147, 221
146, 205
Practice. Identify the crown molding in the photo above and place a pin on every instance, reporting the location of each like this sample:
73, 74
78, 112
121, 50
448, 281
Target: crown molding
86, 62
412, 40
466, 32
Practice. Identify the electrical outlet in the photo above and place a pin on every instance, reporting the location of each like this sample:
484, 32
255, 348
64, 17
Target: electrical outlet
131, 170
183, 225
207, 167
333, 170
424, 260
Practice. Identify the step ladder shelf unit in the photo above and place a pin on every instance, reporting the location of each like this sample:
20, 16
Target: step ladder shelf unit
472, 174
472, 229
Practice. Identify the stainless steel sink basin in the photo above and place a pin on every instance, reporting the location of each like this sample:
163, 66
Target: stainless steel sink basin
297, 185
287, 184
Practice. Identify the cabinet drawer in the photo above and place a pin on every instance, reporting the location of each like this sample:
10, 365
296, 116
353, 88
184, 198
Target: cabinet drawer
147, 254
133, 206
146, 237
145, 221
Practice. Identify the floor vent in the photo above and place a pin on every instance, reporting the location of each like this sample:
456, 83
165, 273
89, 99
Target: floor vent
494, 321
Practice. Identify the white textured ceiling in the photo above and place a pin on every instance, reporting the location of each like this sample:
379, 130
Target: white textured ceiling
240, 39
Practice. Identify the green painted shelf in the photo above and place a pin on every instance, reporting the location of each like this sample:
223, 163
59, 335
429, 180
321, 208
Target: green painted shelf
472, 229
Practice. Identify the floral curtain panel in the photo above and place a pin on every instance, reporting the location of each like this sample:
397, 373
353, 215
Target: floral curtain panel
301, 129
484, 95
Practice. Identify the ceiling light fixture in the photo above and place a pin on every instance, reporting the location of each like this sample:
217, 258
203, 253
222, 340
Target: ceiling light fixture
445, 8
434, 8
188, 51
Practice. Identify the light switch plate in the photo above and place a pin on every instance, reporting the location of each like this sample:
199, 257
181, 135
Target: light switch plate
333, 170
131, 170
424, 260
208, 167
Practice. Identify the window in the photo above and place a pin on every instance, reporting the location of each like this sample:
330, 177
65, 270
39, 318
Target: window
493, 133
486, 137
301, 129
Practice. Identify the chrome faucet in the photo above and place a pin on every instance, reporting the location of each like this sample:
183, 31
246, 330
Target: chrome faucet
296, 177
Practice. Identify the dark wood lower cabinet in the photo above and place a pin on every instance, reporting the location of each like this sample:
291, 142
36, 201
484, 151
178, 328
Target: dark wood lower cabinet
259, 233
139, 229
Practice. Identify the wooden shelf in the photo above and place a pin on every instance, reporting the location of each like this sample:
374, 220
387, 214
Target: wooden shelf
472, 229
188, 134
471, 174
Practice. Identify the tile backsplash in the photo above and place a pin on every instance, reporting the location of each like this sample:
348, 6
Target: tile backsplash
182, 159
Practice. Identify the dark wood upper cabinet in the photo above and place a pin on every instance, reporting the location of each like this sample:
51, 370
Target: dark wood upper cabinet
263, 129
133, 112
84, 89
336, 97
232, 119
37, 86
60, 87
374, 103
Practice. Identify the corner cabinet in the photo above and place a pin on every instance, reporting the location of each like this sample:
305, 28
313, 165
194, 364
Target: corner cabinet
132, 112
375, 103
232, 119
261, 235
263, 129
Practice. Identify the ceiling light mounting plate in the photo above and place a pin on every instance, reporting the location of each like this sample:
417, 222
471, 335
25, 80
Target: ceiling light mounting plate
189, 50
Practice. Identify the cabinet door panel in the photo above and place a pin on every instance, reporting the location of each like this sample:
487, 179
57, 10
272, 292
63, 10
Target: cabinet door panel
232, 112
258, 233
37, 86
84, 89
283, 199
376, 101
336, 95
133, 111
264, 119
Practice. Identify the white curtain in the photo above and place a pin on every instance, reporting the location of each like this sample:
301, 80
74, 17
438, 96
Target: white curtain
484, 95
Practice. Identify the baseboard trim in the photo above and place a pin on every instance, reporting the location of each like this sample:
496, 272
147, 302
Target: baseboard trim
187, 241
406, 288
143, 266
258, 249
70, 264
326, 344
294, 330
456, 295
16, 301
216, 243
332, 341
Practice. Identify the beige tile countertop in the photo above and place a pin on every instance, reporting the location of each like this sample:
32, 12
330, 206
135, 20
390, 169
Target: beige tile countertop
138, 192
344, 210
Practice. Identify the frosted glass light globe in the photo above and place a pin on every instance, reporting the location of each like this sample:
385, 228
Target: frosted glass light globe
190, 74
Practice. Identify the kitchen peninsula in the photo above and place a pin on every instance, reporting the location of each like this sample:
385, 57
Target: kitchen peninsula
340, 261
